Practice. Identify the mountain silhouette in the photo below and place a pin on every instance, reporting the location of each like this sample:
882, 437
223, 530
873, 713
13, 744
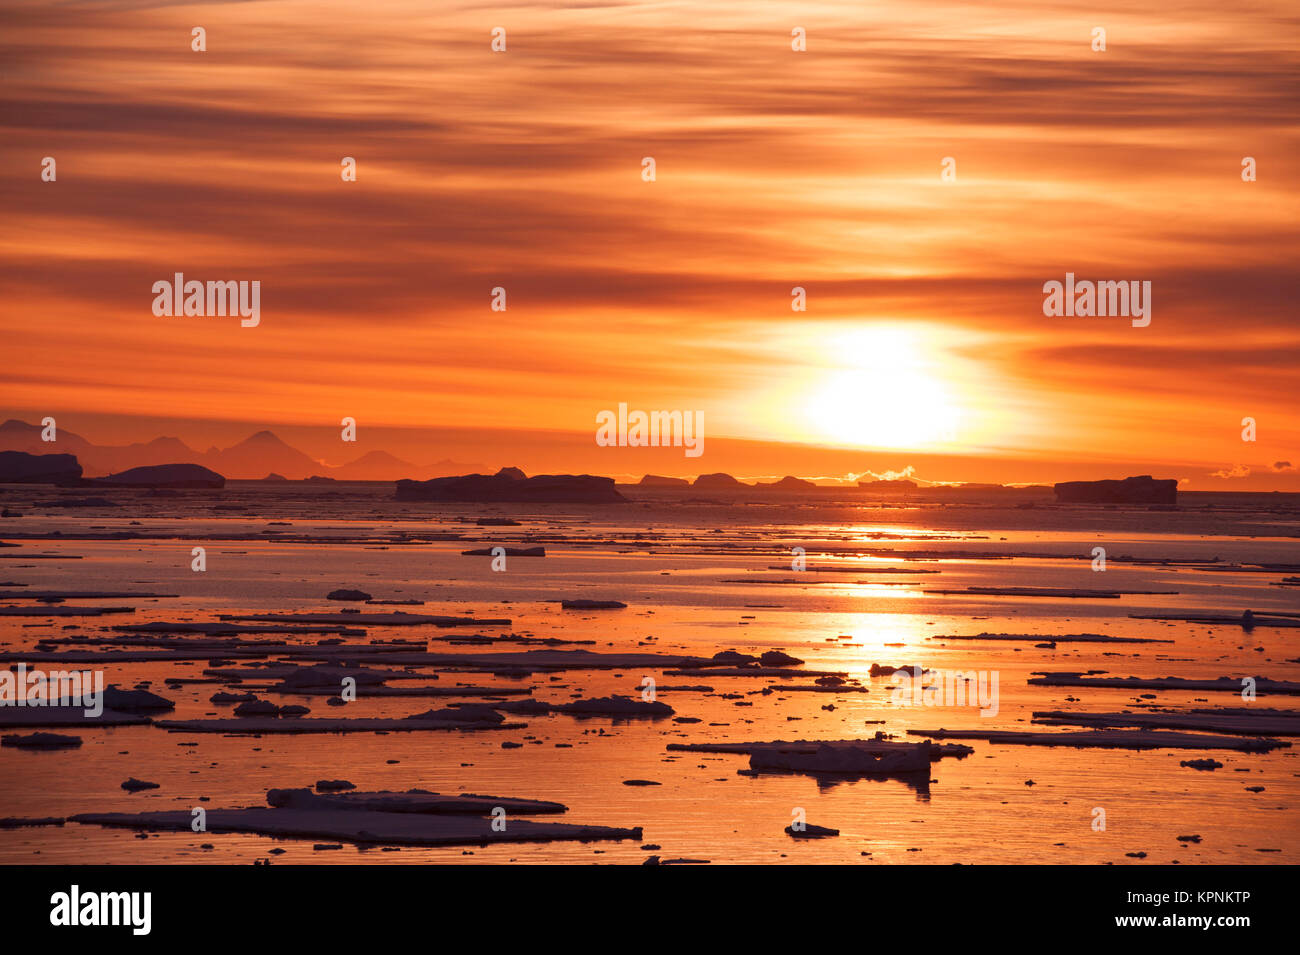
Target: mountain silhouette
372, 466
251, 459
262, 452
96, 460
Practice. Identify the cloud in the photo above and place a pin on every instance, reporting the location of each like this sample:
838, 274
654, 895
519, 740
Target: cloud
1236, 471
904, 474
774, 170
1283, 466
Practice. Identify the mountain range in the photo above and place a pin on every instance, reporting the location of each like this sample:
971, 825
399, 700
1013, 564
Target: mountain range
257, 456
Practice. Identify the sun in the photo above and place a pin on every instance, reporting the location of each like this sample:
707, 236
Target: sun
881, 389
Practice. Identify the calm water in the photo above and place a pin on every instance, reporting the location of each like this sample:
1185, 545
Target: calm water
675, 565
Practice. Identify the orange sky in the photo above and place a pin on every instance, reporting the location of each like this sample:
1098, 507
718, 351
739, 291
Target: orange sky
924, 341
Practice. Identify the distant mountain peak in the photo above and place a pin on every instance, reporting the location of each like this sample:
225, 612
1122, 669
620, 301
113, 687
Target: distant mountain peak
263, 436
15, 427
380, 457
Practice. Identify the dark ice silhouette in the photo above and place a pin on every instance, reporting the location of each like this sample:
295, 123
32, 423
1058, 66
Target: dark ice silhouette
512, 485
1132, 490
18, 467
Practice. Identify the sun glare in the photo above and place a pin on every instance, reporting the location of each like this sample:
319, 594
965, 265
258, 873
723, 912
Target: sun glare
882, 390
